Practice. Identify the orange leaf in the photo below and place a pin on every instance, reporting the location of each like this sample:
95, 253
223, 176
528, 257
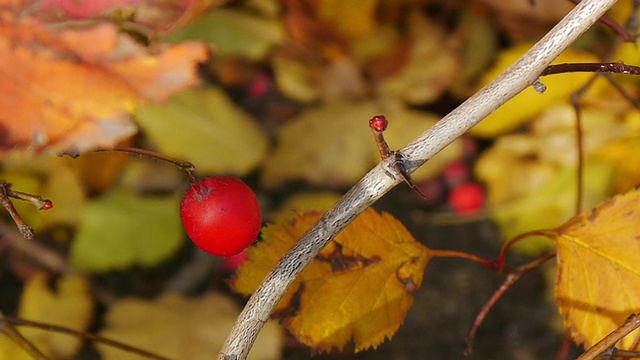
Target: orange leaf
598, 283
360, 287
75, 88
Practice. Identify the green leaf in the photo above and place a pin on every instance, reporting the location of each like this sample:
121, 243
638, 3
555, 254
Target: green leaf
234, 33
119, 230
207, 129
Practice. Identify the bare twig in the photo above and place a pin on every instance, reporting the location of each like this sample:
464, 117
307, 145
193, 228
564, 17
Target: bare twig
384, 176
9, 330
9, 320
511, 279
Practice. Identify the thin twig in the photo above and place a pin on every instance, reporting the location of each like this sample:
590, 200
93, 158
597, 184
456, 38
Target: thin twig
617, 67
511, 279
380, 180
575, 101
85, 336
8, 329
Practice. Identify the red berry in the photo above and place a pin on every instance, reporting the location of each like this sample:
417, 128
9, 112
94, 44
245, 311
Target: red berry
221, 215
378, 123
455, 173
466, 198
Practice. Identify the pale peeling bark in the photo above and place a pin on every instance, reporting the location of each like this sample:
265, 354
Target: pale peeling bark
383, 177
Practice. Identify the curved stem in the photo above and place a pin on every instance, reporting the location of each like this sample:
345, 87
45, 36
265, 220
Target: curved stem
378, 181
462, 255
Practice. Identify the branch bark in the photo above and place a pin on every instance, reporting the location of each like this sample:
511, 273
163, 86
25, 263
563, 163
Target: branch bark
383, 177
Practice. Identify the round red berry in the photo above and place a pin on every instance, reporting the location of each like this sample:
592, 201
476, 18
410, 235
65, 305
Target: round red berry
221, 215
467, 198
378, 123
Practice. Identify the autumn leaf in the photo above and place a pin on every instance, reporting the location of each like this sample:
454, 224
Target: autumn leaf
359, 288
85, 8
529, 103
119, 230
431, 66
70, 305
332, 145
181, 328
531, 177
206, 128
598, 284
232, 32
75, 88
352, 19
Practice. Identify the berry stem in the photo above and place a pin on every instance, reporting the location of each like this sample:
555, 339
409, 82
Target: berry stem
459, 254
188, 167
378, 124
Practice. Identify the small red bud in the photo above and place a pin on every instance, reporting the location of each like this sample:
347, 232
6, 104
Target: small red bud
378, 123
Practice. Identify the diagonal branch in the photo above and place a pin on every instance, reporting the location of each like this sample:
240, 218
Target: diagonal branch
384, 176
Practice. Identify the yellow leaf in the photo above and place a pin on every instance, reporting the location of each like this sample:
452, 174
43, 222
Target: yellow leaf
69, 306
529, 103
181, 328
295, 78
359, 288
598, 283
333, 146
329, 146
205, 127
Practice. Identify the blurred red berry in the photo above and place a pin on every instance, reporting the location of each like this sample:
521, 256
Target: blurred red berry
467, 198
259, 86
455, 173
231, 263
432, 190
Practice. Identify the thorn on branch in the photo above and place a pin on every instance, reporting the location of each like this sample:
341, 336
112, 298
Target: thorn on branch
378, 125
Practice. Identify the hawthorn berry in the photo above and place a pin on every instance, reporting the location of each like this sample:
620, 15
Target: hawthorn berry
466, 198
221, 215
378, 123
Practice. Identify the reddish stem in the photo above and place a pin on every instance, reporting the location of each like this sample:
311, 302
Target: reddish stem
459, 254
617, 67
499, 262
512, 277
